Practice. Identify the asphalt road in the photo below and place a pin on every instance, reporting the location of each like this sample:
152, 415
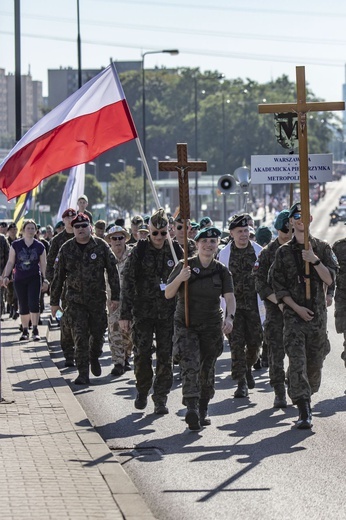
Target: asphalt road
251, 462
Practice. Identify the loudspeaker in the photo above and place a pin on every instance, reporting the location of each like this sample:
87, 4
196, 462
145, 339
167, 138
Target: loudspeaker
243, 175
227, 184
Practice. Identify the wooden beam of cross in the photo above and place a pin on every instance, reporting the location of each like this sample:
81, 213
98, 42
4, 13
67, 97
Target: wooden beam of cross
183, 166
301, 108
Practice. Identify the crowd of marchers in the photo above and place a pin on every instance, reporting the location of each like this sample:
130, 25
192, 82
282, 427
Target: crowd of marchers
157, 302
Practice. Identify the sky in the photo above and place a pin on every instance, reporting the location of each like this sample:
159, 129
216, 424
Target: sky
259, 40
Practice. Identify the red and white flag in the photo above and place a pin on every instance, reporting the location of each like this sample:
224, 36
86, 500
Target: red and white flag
94, 119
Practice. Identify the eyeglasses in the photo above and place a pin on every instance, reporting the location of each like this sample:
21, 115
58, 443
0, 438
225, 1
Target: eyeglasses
78, 226
162, 233
297, 216
117, 238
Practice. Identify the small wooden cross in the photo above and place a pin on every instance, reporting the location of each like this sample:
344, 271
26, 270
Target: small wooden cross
183, 166
301, 108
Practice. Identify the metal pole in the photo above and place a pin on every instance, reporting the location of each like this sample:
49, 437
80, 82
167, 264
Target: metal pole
196, 149
79, 48
18, 84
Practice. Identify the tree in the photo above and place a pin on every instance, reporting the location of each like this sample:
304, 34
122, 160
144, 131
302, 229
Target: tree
53, 188
125, 191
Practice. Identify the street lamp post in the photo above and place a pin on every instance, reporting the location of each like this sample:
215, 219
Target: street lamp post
164, 51
123, 161
107, 165
156, 159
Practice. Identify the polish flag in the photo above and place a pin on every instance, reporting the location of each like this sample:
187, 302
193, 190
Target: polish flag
94, 119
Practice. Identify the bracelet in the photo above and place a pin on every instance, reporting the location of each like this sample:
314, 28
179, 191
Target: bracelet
231, 316
45, 280
318, 261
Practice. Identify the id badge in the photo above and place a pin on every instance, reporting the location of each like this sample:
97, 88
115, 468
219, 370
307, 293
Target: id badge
162, 286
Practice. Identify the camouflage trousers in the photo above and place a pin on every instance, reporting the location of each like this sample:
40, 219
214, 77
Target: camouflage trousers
143, 331
198, 348
120, 342
306, 344
88, 326
66, 338
340, 319
245, 341
273, 335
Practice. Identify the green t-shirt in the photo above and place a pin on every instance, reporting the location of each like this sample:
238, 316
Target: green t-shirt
206, 285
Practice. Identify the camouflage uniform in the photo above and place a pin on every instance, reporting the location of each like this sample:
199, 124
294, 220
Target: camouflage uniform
273, 324
81, 267
4, 250
247, 334
304, 342
339, 249
201, 344
191, 246
66, 340
120, 342
143, 301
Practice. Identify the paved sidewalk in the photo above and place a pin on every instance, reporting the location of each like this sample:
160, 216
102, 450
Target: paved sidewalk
53, 464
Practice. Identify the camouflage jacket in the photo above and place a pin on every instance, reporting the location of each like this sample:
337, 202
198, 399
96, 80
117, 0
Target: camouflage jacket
339, 249
55, 245
287, 272
83, 270
145, 274
261, 269
4, 250
191, 247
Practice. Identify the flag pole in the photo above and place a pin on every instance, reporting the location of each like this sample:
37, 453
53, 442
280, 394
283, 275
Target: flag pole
154, 192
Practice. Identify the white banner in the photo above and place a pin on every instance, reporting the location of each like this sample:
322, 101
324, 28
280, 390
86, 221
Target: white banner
284, 169
74, 188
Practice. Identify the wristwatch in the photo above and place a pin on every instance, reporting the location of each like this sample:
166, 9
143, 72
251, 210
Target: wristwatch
318, 261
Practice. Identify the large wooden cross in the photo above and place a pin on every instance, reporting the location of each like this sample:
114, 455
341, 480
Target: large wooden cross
301, 108
183, 166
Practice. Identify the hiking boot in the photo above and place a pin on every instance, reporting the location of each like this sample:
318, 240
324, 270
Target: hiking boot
117, 370
204, 418
141, 401
258, 364
161, 409
250, 379
305, 417
192, 415
95, 367
82, 379
242, 390
280, 397
127, 365
69, 362
264, 360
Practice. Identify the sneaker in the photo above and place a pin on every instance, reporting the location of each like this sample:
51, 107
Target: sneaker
95, 367
35, 335
117, 370
24, 336
141, 401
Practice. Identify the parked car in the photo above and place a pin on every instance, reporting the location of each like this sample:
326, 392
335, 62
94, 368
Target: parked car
342, 199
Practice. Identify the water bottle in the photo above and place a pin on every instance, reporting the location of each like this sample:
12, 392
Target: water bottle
58, 315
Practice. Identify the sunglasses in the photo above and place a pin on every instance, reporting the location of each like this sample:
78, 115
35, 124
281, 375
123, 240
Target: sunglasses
297, 216
78, 226
180, 227
155, 233
117, 238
